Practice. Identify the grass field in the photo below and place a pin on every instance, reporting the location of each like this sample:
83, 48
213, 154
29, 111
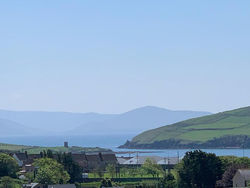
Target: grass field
37, 149
235, 122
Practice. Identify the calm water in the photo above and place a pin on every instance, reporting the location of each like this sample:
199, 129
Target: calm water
109, 141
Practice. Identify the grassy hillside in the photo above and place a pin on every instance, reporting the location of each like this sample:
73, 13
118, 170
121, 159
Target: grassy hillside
37, 149
198, 131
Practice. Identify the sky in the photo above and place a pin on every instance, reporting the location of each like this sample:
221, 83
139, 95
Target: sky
112, 56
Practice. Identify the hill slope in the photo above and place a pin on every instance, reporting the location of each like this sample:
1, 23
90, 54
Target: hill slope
226, 129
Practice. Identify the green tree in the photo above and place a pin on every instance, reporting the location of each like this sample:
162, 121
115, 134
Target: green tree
8, 182
106, 183
141, 171
199, 170
123, 171
50, 154
150, 167
74, 170
8, 166
168, 181
50, 172
132, 172
111, 170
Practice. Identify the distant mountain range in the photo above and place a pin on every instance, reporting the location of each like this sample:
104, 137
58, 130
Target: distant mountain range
230, 129
49, 123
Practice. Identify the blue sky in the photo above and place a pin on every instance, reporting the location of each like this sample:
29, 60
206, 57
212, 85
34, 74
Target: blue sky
112, 56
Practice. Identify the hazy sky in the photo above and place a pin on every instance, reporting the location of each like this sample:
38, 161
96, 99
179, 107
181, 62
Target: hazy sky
111, 56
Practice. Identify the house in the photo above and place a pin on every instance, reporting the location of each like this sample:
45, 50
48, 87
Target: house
25, 159
62, 186
140, 160
100, 160
242, 178
108, 158
81, 160
20, 158
32, 185
87, 161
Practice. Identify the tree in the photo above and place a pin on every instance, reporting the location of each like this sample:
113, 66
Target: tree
8, 182
199, 170
98, 171
8, 166
168, 181
50, 172
140, 171
111, 169
74, 170
150, 167
106, 183
123, 171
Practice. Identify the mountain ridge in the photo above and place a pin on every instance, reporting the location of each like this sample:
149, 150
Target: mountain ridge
70, 123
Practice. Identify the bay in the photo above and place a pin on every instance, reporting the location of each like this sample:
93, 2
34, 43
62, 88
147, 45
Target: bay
111, 142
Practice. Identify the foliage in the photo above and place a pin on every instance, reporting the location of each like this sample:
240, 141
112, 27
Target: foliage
106, 183
111, 169
199, 170
8, 182
8, 166
30, 176
50, 172
74, 170
228, 161
167, 182
99, 172
150, 167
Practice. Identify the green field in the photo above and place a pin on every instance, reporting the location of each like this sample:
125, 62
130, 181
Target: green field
37, 149
200, 130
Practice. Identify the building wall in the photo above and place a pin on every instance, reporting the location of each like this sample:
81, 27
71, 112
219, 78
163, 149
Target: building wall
238, 180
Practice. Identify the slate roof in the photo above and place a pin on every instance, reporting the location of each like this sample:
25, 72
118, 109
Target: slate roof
62, 186
121, 160
245, 173
21, 156
159, 160
93, 157
141, 159
31, 185
78, 157
109, 157
168, 160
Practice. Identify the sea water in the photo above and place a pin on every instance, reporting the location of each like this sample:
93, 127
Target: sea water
111, 142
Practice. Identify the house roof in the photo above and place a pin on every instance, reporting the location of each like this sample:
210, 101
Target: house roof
62, 186
93, 157
245, 173
31, 185
21, 156
168, 160
141, 159
79, 157
109, 157
121, 160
